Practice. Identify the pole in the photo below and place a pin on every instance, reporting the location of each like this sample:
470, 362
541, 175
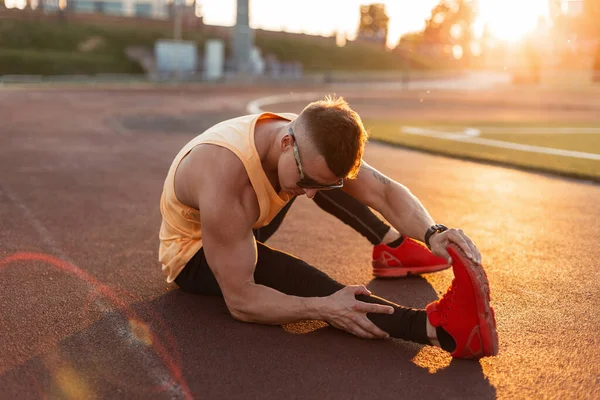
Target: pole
177, 22
177, 19
242, 38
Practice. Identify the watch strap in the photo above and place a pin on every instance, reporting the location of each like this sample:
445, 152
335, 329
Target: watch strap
437, 228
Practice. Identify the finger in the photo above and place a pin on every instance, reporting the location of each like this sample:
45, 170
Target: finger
359, 331
361, 289
472, 247
373, 308
477, 254
438, 246
442, 252
458, 238
473, 250
369, 326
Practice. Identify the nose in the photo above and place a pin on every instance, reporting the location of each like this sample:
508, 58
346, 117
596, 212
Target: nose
310, 193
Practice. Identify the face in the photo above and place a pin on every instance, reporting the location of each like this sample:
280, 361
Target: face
312, 173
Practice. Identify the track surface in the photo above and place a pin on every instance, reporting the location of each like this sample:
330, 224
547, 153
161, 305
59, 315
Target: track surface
85, 311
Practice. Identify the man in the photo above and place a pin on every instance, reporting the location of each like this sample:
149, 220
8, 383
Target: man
229, 189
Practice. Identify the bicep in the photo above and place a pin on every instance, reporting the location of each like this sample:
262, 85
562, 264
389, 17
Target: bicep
228, 242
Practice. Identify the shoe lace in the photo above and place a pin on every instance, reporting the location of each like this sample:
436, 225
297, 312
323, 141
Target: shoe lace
445, 303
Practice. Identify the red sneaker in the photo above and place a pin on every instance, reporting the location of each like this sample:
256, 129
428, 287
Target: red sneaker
411, 257
464, 311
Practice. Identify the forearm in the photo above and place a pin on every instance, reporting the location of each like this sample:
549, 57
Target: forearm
264, 305
405, 212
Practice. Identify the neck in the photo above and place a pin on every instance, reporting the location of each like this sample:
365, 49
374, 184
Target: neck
267, 136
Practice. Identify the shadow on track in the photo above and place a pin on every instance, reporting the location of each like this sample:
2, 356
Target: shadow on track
218, 357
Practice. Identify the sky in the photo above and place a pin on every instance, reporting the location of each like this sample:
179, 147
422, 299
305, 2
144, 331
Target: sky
320, 17
323, 17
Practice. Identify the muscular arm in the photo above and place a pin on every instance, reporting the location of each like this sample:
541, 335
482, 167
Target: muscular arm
228, 210
394, 201
405, 212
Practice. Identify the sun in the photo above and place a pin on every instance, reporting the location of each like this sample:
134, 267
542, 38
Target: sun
511, 20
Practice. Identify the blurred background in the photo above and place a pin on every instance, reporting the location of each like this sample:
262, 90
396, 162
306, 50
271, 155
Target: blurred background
97, 97
536, 41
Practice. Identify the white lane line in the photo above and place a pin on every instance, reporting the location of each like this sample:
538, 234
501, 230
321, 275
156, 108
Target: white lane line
461, 137
526, 131
468, 135
256, 106
37, 225
122, 330
473, 81
540, 130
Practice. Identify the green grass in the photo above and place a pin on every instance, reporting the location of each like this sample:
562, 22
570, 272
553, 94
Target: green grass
66, 37
56, 40
51, 48
319, 54
390, 131
36, 62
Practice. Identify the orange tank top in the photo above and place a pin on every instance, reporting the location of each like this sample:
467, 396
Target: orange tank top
180, 230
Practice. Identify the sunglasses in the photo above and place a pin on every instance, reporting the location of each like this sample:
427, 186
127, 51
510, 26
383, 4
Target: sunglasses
305, 182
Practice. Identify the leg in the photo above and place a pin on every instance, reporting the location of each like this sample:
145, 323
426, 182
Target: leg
293, 276
264, 233
393, 255
355, 214
462, 322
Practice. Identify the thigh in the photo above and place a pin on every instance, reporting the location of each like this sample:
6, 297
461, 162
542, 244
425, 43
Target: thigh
263, 234
353, 213
275, 269
292, 275
196, 277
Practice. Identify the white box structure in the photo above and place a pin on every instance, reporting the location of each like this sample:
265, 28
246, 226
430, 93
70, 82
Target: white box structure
176, 56
214, 59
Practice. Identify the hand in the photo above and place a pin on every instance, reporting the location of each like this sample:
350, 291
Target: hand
439, 242
343, 311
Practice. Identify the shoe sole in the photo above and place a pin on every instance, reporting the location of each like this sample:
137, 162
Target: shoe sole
485, 312
381, 270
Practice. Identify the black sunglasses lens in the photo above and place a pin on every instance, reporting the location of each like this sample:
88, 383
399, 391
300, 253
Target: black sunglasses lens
313, 185
308, 185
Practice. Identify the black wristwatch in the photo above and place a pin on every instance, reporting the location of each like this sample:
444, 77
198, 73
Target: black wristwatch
433, 229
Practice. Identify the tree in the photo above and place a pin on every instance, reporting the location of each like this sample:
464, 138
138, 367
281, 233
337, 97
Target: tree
591, 12
437, 29
451, 24
582, 22
373, 25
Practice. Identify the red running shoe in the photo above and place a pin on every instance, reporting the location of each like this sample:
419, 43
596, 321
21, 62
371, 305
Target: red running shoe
410, 258
464, 311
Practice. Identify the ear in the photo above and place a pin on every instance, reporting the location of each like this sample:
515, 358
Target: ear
285, 142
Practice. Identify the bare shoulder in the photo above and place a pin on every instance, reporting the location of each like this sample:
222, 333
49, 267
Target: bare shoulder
215, 175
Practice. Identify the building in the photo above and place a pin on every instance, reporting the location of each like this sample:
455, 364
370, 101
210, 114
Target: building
127, 8
157, 9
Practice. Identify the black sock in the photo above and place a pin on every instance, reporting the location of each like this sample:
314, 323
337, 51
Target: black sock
446, 341
405, 323
396, 242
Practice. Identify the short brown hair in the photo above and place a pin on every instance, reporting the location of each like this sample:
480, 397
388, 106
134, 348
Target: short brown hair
338, 134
